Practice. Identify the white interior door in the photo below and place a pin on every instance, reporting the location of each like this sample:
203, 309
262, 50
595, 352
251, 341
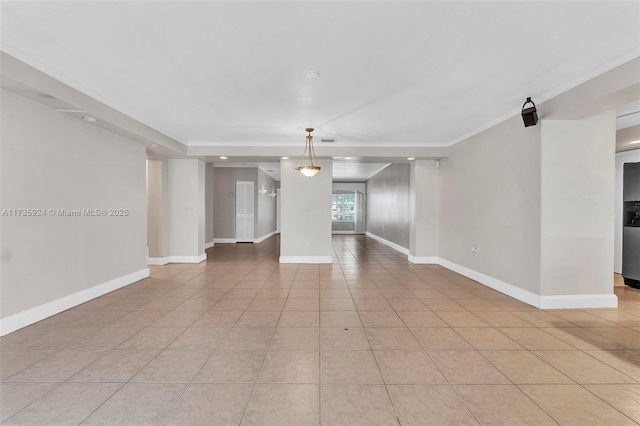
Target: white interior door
244, 211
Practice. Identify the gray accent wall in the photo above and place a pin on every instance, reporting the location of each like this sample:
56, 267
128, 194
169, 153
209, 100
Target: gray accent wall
224, 200
50, 160
388, 211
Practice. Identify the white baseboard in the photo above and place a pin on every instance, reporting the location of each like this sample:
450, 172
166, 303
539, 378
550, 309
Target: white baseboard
224, 240
158, 260
496, 284
567, 301
176, 259
343, 232
581, 301
264, 237
38, 313
424, 260
208, 245
388, 243
306, 259
233, 240
188, 259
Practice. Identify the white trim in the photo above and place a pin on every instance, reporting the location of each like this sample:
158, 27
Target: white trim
567, 301
388, 243
306, 259
176, 259
188, 259
38, 313
224, 240
208, 245
424, 260
264, 237
158, 260
582, 301
343, 232
501, 286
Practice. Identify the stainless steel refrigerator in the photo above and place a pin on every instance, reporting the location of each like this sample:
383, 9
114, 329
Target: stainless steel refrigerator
631, 225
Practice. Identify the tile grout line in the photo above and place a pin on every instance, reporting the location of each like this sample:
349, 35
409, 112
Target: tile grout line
255, 382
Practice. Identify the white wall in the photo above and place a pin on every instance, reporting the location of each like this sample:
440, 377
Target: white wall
621, 158
578, 184
424, 206
50, 160
186, 220
490, 198
208, 211
158, 207
306, 214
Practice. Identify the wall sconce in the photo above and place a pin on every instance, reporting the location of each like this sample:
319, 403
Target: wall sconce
529, 115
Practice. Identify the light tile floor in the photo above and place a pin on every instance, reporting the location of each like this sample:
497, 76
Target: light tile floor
370, 339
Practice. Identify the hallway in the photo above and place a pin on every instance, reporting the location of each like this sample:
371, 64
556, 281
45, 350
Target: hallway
369, 339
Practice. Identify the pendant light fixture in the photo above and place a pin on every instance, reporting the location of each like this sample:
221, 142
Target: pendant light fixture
312, 168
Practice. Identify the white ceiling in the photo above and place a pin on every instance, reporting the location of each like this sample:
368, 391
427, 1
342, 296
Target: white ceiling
392, 74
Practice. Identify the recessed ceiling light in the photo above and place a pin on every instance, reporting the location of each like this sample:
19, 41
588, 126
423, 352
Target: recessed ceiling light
633, 142
152, 145
347, 158
223, 158
89, 119
312, 74
411, 158
284, 158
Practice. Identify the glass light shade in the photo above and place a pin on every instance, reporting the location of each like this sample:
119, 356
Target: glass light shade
308, 171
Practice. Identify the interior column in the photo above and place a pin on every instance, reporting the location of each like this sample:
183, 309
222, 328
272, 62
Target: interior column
423, 204
187, 212
305, 235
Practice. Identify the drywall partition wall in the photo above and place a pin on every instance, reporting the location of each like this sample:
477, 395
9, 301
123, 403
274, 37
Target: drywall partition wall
201, 206
388, 213
423, 195
578, 185
158, 205
186, 219
266, 206
63, 165
305, 236
224, 199
208, 209
621, 158
490, 199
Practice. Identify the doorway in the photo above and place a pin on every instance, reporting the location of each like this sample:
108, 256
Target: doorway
245, 212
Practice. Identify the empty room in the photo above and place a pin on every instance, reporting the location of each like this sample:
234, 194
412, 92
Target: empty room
320, 213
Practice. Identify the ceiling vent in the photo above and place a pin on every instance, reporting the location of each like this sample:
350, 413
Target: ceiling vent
327, 140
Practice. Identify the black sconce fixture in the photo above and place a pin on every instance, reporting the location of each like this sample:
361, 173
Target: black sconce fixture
529, 115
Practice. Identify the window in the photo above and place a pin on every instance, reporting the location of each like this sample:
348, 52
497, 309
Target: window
343, 207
